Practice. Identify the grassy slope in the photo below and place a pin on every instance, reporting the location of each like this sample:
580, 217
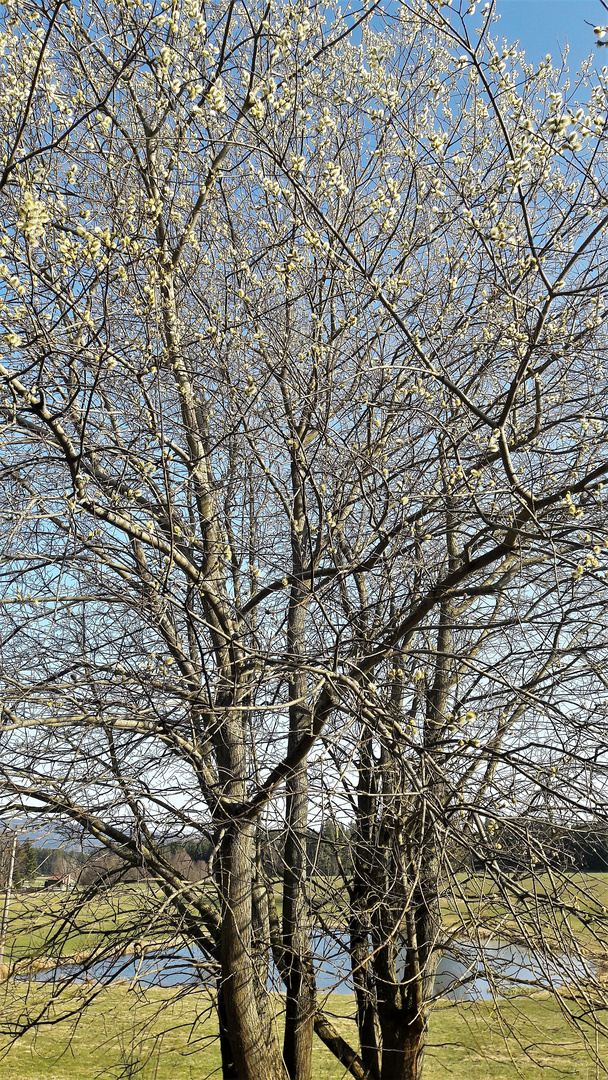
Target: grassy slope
125, 1035
36, 918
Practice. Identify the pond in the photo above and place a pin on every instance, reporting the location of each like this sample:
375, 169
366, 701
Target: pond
464, 972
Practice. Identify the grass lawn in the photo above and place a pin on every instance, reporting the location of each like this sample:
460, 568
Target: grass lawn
573, 906
157, 1035
154, 1036
53, 923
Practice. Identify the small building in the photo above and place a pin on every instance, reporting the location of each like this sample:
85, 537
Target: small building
63, 882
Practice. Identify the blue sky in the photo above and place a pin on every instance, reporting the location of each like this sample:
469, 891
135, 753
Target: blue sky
543, 26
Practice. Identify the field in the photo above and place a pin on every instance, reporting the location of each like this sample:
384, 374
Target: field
54, 923
159, 1034
126, 1035
37, 920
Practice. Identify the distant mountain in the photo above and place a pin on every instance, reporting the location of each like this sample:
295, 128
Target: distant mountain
48, 837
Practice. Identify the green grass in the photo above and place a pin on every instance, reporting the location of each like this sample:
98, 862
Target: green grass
54, 923
571, 907
156, 1036
527, 1037
36, 918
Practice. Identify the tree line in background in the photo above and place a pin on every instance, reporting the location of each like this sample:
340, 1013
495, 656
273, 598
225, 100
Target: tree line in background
26, 862
328, 854
303, 507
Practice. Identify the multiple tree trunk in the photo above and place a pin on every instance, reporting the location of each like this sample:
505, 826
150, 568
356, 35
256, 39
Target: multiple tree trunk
302, 514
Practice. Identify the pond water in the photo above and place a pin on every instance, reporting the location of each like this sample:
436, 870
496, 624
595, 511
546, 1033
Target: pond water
464, 972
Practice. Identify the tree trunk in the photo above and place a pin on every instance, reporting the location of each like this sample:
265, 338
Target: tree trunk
229, 1070
367, 1012
299, 969
403, 1043
363, 879
299, 1014
255, 1054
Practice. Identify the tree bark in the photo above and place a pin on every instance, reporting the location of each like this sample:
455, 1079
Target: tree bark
254, 1051
363, 877
229, 1069
367, 1012
299, 968
403, 1043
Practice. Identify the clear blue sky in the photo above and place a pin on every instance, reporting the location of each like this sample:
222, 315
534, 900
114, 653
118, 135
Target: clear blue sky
544, 26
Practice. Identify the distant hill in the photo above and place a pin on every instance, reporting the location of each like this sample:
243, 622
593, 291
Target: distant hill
48, 837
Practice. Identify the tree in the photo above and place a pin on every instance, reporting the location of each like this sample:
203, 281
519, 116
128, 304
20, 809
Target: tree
56, 865
303, 459
30, 862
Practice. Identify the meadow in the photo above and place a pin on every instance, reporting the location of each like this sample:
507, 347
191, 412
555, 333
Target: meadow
155, 1034
55, 923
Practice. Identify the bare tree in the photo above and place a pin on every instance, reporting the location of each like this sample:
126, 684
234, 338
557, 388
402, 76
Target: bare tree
303, 521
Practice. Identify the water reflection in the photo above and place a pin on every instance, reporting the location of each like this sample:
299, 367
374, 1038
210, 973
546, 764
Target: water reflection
464, 972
